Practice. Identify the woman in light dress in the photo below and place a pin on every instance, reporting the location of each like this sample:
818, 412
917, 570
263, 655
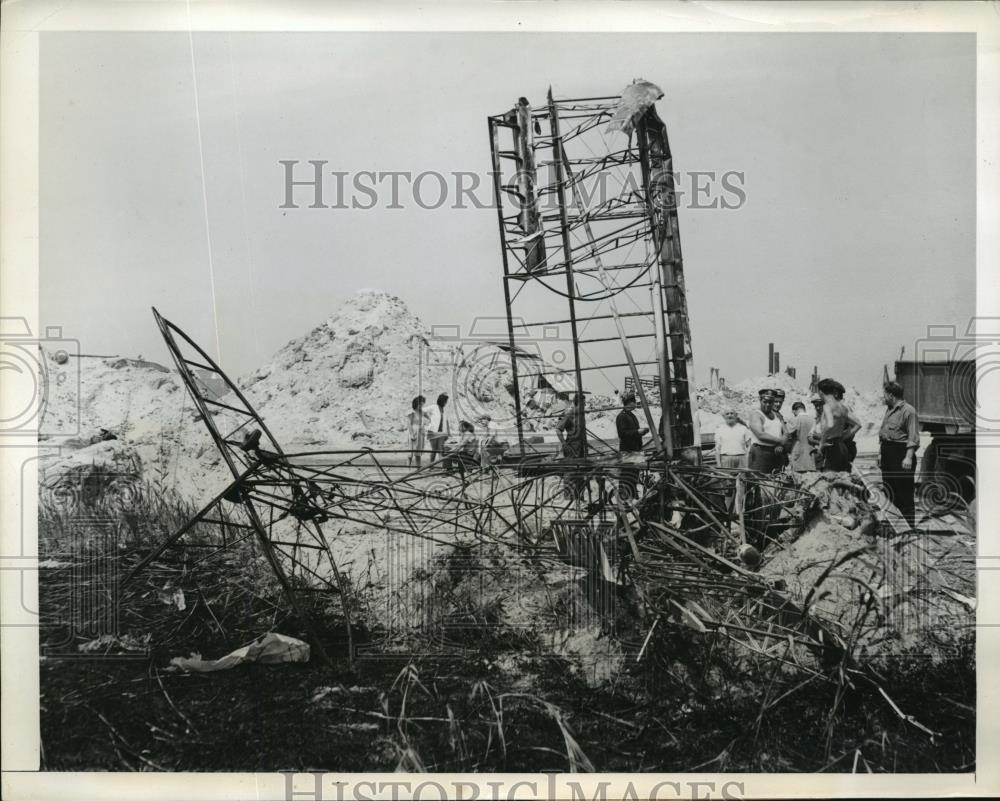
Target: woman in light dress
416, 422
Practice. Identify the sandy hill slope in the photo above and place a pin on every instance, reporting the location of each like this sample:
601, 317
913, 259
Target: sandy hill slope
350, 381
346, 384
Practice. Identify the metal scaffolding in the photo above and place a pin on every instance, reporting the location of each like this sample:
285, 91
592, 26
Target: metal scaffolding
588, 219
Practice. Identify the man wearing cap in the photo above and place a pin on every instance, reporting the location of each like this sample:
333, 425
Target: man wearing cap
779, 399
767, 434
629, 445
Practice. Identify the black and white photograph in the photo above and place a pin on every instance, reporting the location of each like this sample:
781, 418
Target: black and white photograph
388, 400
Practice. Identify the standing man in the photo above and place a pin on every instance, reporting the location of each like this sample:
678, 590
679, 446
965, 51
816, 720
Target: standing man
629, 446
438, 429
570, 431
768, 434
816, 431
779, 400
803, 457
569, 426
899, 438
838, 427
732, 441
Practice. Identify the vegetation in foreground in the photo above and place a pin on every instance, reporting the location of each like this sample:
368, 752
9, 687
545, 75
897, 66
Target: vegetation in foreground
497, 702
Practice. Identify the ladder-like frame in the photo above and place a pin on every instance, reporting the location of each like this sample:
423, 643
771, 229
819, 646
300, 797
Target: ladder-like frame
611, 198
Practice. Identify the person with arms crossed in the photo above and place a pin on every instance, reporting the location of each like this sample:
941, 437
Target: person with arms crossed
768, 436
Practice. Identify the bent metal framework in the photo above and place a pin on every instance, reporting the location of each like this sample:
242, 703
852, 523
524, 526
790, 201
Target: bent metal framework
686, 549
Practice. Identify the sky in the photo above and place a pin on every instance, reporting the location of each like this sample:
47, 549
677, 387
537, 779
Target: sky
161, 183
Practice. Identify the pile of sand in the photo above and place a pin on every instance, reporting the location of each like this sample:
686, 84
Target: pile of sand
347, 384
886, 594
144, 405
350, 381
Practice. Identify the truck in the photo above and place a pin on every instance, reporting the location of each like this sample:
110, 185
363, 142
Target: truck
944, 396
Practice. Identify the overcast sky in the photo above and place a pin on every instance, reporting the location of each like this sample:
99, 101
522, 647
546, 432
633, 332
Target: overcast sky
858, 151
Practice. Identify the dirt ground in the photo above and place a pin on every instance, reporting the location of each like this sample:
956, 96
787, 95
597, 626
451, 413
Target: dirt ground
489, 685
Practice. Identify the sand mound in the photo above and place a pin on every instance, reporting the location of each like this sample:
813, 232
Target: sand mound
144, 405
885, 594
348, 383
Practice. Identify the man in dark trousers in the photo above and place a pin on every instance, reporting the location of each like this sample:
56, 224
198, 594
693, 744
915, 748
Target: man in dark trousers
899, 438
570, 429
629, 446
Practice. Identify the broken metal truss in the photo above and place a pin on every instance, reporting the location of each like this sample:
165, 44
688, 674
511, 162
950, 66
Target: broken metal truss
685, 520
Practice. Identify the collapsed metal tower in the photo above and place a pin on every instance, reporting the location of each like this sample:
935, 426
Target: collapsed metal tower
586, 207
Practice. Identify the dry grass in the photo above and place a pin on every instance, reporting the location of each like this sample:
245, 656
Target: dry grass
499, 702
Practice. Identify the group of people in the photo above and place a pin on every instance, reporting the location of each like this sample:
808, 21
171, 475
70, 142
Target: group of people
432, 427
823, 440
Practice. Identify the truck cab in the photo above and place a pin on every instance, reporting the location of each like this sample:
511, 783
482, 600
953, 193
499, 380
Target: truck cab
944, 396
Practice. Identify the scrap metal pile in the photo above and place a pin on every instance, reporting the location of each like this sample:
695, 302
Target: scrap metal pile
700, 546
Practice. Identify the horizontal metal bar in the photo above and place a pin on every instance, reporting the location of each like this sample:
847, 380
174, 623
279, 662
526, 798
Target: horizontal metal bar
608, 268
556, 102
618, 339
598, 216
227, 406
583, 318
610, 366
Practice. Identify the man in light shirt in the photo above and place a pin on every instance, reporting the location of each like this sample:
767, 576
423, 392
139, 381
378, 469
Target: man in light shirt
438, 427
899, 438
732, 441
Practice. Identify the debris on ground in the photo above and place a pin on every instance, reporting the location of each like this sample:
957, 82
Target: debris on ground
268, 649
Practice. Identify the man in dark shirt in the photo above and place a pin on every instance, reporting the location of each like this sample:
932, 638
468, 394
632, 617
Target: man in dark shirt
899, 438
567, 429
570, 430
629, 446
